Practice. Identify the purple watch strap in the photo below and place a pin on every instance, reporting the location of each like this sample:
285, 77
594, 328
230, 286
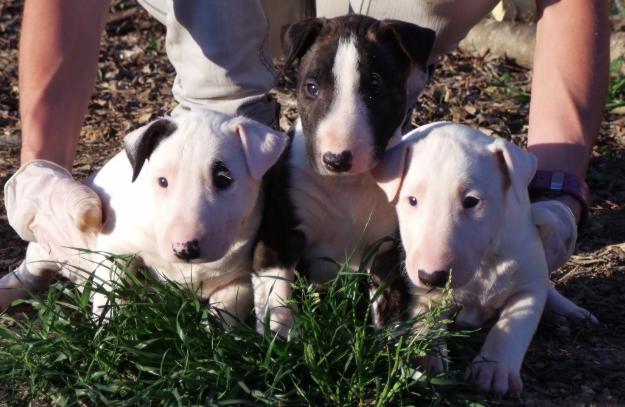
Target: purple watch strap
559, 183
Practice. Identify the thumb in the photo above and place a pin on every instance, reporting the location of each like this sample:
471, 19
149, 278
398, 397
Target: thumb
544, 219
85, 208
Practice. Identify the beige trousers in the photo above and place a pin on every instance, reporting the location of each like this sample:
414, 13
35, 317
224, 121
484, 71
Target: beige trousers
221, 49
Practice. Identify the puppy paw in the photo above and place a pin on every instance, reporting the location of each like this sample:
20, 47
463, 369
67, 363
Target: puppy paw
436, 362
495, 377
572, 315
433, 364
562, 311
102, 308
280, 322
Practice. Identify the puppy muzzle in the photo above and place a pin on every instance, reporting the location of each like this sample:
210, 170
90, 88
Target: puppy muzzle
338, 162
187, 251
434, 279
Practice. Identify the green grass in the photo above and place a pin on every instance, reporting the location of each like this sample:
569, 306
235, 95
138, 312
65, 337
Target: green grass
162, 345
513, 91
616, 90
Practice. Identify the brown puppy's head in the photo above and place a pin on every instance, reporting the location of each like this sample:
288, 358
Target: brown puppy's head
353, 74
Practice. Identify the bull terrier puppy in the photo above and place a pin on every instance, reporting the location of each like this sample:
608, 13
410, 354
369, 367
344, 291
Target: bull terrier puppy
464, 214
355, 73
185, 197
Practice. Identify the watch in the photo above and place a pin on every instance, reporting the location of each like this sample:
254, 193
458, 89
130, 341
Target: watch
551, 184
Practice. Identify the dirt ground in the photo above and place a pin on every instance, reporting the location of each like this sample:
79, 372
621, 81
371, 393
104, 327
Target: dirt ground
578, 365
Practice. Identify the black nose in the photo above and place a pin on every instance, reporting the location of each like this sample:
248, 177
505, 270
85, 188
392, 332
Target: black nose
436, 278
338, 162
187, 251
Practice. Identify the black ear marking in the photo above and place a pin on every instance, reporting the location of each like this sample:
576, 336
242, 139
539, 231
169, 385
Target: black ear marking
297, 38
415, 41
140, 147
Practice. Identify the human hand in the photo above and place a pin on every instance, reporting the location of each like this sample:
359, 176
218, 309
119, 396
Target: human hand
558, 230
47, 206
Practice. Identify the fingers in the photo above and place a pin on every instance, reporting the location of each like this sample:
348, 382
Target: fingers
44, 204
557, 229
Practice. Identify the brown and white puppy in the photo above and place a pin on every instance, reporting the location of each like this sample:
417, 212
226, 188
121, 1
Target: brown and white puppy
185, 197
464, 214
324, 206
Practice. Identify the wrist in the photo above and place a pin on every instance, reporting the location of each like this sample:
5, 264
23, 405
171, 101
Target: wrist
564, 187
54, 149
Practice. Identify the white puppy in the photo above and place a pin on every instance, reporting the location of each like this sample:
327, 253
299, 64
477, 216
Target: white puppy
464, 213
185, 196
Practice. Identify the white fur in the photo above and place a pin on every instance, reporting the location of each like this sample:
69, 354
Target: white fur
145, 219
493, 250
340, 216
272, 292
345, 127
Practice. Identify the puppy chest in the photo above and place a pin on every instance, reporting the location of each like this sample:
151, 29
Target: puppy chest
339, 220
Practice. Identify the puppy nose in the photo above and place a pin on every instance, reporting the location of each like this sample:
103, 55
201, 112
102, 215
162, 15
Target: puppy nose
188, 250
436, 278
338, 162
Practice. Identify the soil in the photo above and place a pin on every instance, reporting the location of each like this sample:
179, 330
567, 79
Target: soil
575, 365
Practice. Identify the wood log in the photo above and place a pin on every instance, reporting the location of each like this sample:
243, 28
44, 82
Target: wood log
516, 41
515, 10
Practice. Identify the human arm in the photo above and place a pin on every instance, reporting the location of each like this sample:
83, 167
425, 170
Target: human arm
58, 56
569, 85
57, 64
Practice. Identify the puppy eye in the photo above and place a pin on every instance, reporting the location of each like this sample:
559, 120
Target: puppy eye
312, 89
375, 82
162, 182
412, 201
222, 178
470, 202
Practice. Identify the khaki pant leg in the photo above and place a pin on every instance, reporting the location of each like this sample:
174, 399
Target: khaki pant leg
450, 19
283, 12
219, 52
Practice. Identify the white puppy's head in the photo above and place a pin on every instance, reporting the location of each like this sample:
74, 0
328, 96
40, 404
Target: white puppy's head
202, 174
454, 187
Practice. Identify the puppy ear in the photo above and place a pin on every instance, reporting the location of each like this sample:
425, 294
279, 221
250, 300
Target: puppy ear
297, 38
415, 41
262, 145
517, 166
140, 143
389, 173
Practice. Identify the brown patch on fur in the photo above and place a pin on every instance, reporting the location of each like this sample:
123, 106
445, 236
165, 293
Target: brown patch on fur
371, 36
393, 301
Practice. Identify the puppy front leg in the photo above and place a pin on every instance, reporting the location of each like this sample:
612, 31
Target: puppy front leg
272, 292
389, 290
107, 276
436, 361
497, 368
232, 302
275, 256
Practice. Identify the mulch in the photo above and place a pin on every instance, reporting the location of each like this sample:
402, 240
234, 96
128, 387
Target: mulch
575, 365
